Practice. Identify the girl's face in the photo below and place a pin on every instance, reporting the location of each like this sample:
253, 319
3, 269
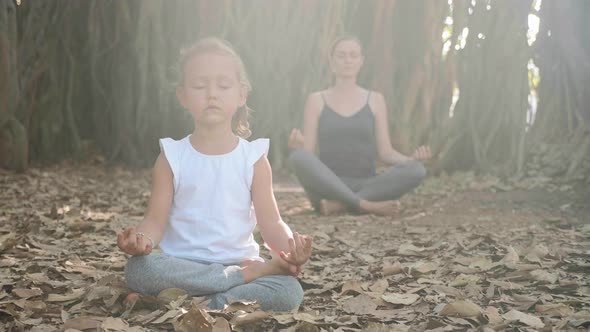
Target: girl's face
347, 59
211, 90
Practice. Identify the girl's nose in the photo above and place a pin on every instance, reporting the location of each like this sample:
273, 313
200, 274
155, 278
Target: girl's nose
212, 91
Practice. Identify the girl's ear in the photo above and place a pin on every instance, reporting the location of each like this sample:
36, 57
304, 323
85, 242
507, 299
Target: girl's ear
362, 60
181, 96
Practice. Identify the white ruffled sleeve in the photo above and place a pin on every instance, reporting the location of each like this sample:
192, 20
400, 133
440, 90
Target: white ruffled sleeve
256, 149
171, 150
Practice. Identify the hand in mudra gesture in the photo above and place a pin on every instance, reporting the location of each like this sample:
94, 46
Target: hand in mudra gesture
299, 250
296, 139
134, 243
422, 153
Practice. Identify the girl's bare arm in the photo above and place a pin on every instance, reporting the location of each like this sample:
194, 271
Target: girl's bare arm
156, 217
275, 232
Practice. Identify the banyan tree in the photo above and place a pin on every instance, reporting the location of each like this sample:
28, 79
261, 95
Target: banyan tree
493, 86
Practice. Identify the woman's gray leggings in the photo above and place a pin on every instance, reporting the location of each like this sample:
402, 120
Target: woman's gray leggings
222, 284
320, 182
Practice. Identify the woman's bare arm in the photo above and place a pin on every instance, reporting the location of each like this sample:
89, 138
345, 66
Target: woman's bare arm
386, 152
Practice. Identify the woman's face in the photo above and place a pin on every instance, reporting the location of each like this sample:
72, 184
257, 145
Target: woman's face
347, 58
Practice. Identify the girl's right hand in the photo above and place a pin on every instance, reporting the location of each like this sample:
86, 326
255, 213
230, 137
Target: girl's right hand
133, 243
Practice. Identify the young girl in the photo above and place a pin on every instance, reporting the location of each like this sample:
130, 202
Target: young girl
209, 191
349, 126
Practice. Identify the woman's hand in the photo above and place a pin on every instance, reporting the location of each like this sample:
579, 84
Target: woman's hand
296, 139
300, 250
133, 243
422, 153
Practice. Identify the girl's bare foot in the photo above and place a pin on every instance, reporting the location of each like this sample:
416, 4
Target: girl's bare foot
328, 207
252, 269
131, 298
384, 208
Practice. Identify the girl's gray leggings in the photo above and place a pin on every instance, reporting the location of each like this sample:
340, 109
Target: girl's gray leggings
222, 284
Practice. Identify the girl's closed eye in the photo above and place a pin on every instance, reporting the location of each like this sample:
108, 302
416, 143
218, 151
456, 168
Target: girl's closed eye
198, 85
225, 84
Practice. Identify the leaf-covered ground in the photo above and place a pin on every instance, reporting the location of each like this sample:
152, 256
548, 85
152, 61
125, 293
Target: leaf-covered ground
466, 253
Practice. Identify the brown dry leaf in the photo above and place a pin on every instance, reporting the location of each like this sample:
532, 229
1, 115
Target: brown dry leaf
482, 264
284, 319
396, 298
25, 293
168, 316
544, 276
461, 308
423, 268
111, 324
408, 249
8, 241
532, 258
249, 318
506, 285
171, 294
76, 294
379, 286
391, 269
580, 319
247, 306
194, 320
429, 281
221, 325
464, 279
360, 305
554, 310
380, 327
83, 323
493, 316
511, 256
34, 306
540, 251
441, 289
352, 287
306, 317
530, 320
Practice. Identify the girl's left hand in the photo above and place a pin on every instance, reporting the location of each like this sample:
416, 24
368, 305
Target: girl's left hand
422, 153
300, 250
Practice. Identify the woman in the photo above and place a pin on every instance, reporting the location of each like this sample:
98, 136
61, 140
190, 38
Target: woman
348, 124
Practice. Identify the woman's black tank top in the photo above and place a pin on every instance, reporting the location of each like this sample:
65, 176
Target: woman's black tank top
347, 143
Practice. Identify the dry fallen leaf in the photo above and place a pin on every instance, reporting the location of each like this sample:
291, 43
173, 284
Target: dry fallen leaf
351, 287
464, 279
194, 320
171, 294
83, 323
511, 256
391, 269
544, 276
24, 293
361, 305
554, 310
530, 320
405, 299
462, 308
249, 318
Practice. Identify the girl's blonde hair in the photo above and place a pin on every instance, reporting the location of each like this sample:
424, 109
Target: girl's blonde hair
240, 124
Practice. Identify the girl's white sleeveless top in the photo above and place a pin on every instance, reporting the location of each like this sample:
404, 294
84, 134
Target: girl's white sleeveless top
212, 217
